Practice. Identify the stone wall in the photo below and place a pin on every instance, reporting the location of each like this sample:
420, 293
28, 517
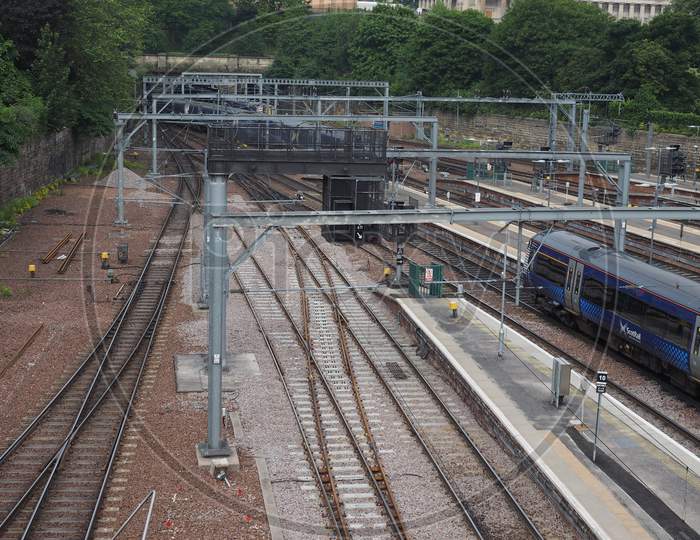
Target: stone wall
46, 159
177, 63
532, 133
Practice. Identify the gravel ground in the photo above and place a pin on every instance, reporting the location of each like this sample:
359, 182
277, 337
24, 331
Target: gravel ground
74, 307
530, 495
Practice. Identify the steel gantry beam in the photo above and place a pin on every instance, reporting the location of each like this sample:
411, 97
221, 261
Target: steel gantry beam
445, 215
588, 97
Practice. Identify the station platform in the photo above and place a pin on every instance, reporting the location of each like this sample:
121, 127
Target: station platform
642, 485
667, 232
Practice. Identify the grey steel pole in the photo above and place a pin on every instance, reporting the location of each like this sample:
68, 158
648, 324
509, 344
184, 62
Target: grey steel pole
120, 144
571, 146
204, 256
420, 134
432, 179
597, 420
582, 163
216, 445
519, 263
552, 137
154, 141
623, 197
502, 330
650, 144
386, 107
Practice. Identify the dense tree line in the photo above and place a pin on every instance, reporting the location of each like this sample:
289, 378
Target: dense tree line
65, 63
541, 46
68, 63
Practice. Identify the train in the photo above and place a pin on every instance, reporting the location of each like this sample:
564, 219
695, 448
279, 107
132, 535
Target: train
648, 314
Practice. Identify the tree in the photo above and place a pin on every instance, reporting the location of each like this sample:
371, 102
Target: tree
21, 22
542, 46
20, 110
101, 39
50, 74
188, 25
377, 49
445, 52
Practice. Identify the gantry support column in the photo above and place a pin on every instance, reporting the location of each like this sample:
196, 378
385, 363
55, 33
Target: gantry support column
552, 136
204, 255
623, 197
582, 161
154, 142
119, 146
432, 178
571, 142
218, 267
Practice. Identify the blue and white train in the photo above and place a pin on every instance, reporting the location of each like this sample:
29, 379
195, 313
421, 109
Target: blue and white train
648, 314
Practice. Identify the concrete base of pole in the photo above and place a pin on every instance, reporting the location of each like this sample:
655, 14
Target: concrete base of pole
217, 459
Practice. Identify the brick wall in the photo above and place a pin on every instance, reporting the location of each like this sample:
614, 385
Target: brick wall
46, 159
532, 133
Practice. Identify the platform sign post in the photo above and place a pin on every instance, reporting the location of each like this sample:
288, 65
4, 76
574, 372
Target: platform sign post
601, 383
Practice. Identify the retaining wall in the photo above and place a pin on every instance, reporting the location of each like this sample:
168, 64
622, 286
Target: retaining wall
46, 159
177, 63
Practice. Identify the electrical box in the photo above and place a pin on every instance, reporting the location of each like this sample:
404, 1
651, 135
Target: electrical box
561, 380
123, 253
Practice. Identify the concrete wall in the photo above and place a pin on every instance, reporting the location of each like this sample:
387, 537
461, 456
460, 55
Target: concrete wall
47, 159
532, 133
177, 63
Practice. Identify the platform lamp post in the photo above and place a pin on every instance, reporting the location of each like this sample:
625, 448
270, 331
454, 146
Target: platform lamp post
502, 328
218, 266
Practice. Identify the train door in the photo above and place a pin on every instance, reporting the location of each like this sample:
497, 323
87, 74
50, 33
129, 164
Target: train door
695, 349
572, 288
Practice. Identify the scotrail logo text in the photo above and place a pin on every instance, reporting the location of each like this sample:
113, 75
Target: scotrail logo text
630, 332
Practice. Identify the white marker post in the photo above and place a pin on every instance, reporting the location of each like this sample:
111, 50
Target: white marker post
601, 383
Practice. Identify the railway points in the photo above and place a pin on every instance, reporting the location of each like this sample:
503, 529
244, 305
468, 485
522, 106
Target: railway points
350, 407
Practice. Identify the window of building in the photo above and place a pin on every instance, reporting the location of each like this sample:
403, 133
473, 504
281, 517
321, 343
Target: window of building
647, 10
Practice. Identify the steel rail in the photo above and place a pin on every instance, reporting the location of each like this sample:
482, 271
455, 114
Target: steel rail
517, 507
54, 250
69, 258
282, 377
329, 390
425, 382
554, 349
115, 327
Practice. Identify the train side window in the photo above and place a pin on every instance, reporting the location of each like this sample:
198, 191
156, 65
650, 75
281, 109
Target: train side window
631, 308
577, 284
593, 291
656, 322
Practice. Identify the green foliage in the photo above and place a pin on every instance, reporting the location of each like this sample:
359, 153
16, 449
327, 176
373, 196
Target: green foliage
51, 73
377, 49
314, 46
16, 207
441, 37
5, 291
188, 25
542, 46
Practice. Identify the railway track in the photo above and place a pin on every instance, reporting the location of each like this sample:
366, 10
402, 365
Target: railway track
471, 261
54, 474
666, 256
370, 350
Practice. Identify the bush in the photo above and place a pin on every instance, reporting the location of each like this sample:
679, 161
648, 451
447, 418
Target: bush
5, 291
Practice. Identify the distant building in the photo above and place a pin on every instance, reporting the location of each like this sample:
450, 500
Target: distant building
641, 10
494, 9
333, 5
